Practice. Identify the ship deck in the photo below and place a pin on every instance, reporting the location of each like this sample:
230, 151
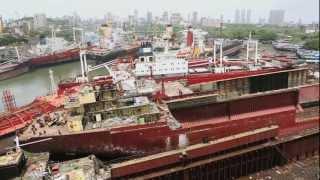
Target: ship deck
56, 124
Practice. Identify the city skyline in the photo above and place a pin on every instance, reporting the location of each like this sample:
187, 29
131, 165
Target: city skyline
295, 9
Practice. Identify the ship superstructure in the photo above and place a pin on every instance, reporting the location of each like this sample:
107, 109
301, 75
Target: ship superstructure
162, 64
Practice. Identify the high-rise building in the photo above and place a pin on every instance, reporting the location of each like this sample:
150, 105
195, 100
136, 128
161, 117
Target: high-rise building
131, 20
149, 17
243, 16
1, 25
39, 20
248, 20
175, 18
276, 17
136, 14
237, 17
194, 20
165, 17
108, 17
262, 21
76, 20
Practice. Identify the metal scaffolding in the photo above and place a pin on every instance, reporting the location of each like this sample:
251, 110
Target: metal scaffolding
8, 100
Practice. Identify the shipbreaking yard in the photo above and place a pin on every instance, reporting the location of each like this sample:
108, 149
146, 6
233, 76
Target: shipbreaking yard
168, 104
260, 123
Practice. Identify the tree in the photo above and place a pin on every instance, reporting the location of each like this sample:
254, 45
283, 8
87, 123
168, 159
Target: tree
9, 40
312, 44
264, 35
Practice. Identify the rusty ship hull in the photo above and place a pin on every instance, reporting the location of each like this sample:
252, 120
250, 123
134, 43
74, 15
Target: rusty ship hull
113, 54
11, 122
14, 71
55, 58
199, 124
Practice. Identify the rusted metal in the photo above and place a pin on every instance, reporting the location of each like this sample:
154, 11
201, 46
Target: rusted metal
8, 100
191, 152
231, 163
19, 118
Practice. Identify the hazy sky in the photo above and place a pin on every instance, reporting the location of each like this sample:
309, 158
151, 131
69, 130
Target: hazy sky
307, 10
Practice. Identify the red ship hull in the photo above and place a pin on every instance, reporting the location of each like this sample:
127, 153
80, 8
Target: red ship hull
201, 123
55, 58
12, 121
16, 71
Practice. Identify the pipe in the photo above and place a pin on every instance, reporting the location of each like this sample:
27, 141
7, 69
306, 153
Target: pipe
85, 63
82, 37
81, 62
166, 48
18, 55
256, 54
74, 35
214, 53
248, 46
29, 143
52, 39
221, 55
52, 83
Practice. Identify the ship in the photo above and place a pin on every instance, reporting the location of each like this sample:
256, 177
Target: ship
101, 55
11, 122
11, 164
57, 57
196, 47
145, 116
12, 64
221, 124
285, 46
13, 69
309, 55
114, 43
51, 51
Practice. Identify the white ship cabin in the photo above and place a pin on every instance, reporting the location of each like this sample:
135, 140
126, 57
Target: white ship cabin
149, 64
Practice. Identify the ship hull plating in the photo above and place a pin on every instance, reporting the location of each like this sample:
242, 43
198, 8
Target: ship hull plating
199, 124
20, 69
55, 58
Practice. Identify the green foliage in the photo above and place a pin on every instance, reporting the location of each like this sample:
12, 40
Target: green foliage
67, 35
312, 44
11, 40
266, 35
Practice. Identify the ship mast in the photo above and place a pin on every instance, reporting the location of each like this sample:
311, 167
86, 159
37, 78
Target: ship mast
256, 42
18, 55
52, 83
248, 45
53, 41
74, 29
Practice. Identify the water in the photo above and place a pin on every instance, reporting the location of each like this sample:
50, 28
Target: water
36, 83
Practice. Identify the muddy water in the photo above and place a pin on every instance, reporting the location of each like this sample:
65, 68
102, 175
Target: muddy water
36, 82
